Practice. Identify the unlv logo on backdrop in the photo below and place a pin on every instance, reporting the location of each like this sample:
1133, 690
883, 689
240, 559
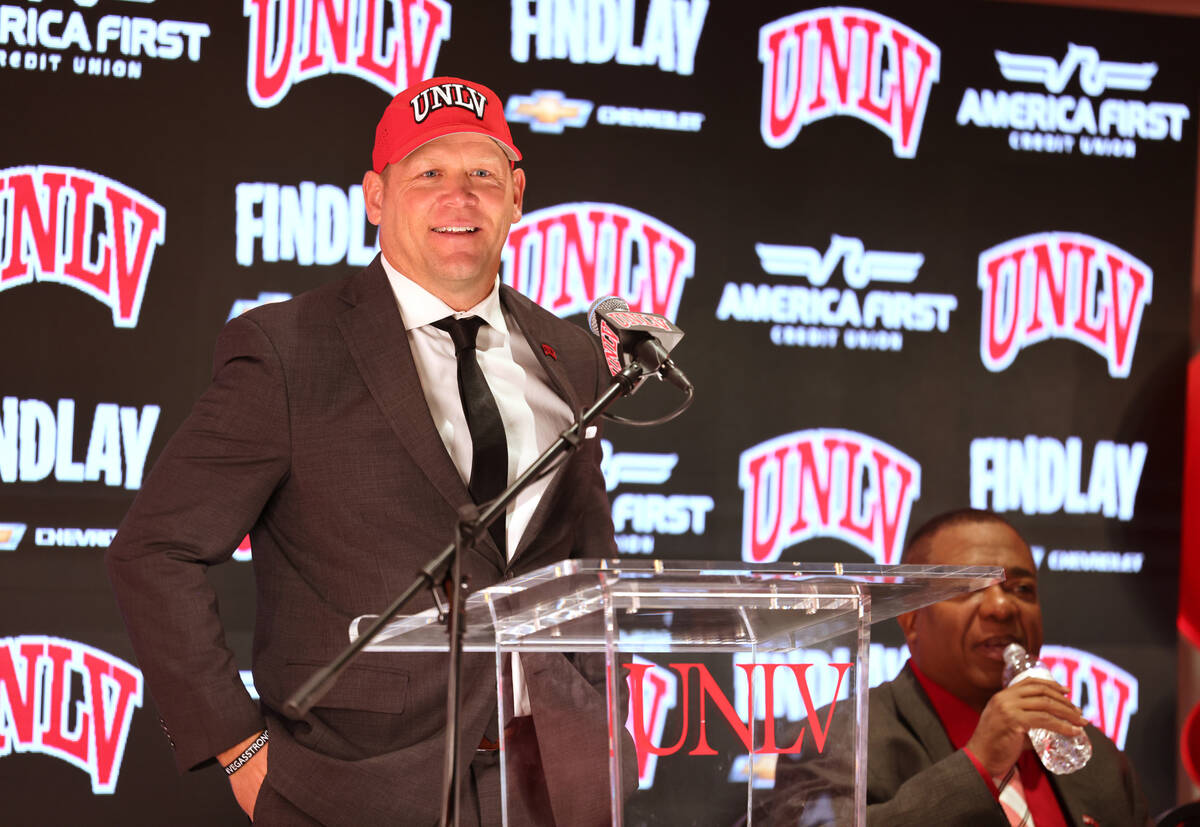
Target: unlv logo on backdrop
1061, 286
1107, 694
566, 256
79, 228
389, 43
826, 483
839, 61
69, 700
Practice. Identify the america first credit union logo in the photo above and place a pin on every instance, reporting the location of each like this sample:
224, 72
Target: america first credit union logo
1058, 285
391, 44
566, 256
1098, 122
67, 700
844, 61
81, 229
820, 315
115, 45
826, 483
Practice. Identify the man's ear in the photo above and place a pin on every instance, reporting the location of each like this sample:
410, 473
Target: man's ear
518, 193
908, 625
372, 186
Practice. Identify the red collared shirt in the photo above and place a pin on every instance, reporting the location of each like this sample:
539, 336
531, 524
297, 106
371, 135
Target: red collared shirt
960, 720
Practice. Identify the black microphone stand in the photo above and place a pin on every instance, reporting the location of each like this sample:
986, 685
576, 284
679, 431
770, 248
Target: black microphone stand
472, 523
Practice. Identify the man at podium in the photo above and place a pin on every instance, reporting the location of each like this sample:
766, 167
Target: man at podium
947, 742
344, 430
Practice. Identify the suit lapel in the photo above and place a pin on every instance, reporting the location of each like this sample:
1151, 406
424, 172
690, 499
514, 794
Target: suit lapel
540, 331
374, 334
917, 712
1066, 787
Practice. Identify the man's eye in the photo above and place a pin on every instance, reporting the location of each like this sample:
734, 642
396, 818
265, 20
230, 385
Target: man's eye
429, 173
482, 173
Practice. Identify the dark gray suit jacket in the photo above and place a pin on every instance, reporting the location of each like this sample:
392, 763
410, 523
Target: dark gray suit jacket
315, 437
916, 777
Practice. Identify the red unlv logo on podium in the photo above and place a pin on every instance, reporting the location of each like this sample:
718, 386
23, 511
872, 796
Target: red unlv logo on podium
295, 40
68, 700
708, 690
1061, 286
50, 232
826, 483
854, 62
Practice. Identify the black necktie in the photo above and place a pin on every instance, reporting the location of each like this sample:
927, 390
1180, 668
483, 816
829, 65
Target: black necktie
489, 448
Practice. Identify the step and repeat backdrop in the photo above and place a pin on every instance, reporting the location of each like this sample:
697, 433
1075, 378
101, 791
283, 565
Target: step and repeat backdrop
927, 255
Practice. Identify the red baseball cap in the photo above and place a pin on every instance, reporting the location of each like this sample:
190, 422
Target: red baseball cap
437, 107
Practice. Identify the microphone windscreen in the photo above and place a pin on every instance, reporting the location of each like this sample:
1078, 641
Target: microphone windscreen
604, 304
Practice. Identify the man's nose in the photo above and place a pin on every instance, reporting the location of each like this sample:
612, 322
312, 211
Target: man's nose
997, 602
461, 188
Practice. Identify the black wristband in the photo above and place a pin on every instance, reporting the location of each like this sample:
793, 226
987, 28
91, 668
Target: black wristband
237, 763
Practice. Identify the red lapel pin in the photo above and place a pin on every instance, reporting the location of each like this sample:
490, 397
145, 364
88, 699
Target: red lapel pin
549, 351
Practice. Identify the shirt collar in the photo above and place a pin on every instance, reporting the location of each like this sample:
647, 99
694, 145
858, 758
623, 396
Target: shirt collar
419, 307
957, 717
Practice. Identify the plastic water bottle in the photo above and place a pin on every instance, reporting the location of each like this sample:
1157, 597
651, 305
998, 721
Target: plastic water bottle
1060, 754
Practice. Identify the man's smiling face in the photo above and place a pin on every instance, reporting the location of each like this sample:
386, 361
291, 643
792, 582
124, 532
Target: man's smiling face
444, 212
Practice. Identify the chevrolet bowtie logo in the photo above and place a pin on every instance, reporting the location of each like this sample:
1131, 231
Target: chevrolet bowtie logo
10, 535
547, 111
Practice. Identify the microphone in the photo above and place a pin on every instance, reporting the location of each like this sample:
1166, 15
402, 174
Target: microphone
645, 338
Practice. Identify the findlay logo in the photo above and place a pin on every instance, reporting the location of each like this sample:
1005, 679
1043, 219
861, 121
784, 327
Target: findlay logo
602, 31
295, 40
309, 224
826, 483
823, 316
37, 440
81, 229
67, 700
1061, 286
1054, 122
838, 61
1041, 475
1107, 694
39, 39
564, 257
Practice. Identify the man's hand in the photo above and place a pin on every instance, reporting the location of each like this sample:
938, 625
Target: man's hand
247, 780
1034, 703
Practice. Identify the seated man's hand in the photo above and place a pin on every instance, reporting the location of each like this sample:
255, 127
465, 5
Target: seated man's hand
247, 781
1034, 703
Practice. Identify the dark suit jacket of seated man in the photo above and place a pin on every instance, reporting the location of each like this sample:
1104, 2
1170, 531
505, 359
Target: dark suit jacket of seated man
945, 740
334, 434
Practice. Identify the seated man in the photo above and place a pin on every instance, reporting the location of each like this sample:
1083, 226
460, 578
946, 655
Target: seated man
947, 744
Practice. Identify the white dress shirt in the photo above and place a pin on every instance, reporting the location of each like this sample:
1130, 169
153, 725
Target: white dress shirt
532, 412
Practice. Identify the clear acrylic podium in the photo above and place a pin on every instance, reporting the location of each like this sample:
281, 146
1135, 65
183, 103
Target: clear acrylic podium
737, 653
